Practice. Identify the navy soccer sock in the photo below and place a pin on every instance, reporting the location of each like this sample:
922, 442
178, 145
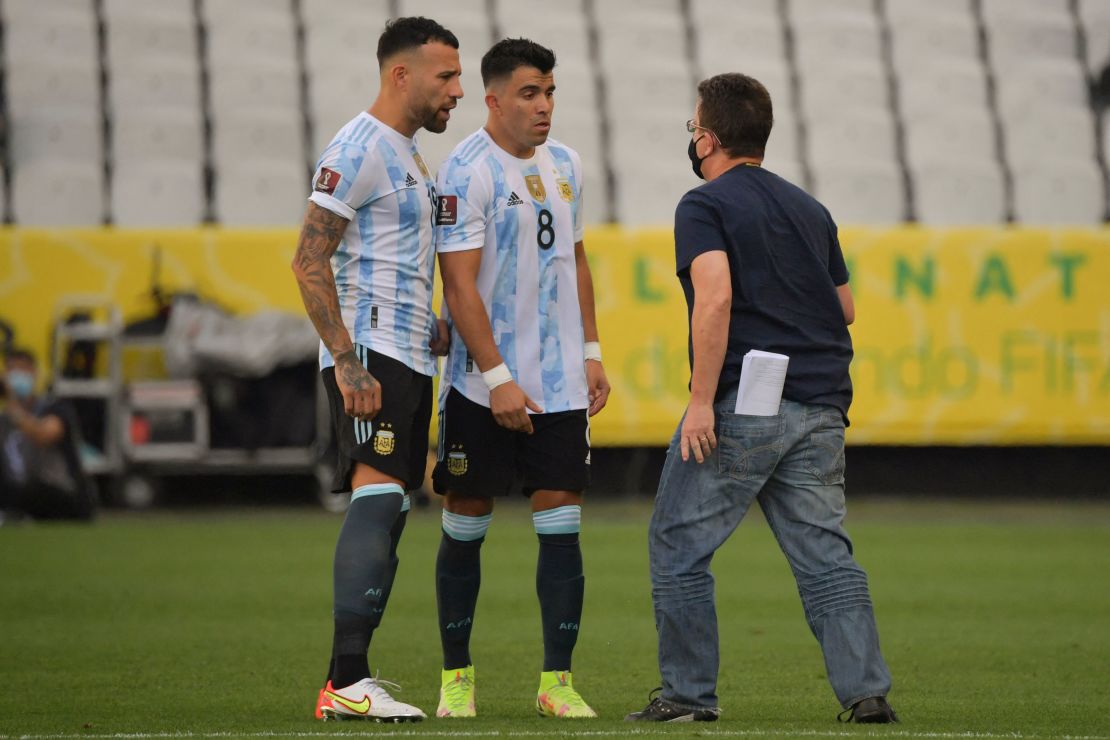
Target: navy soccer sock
458, 579
560, 583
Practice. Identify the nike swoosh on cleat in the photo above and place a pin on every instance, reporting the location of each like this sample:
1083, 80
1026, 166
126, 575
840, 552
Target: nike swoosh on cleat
361, 707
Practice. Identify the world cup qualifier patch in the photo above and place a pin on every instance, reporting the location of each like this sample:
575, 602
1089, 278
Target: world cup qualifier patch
447, 211
327, 181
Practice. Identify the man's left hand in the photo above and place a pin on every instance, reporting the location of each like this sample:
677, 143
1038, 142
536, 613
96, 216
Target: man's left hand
441, 338
598, 386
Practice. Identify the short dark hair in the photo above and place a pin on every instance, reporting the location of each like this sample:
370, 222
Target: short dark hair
506, 55
401, 34
19, 353
736, 108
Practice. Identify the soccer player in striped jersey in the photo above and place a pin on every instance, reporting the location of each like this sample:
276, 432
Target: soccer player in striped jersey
364, 265
524, 370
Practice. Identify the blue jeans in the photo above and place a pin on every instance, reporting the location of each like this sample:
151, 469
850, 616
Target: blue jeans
793, 464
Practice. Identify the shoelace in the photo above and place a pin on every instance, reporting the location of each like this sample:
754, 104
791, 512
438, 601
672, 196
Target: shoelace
380, 684
567, 695
457, 689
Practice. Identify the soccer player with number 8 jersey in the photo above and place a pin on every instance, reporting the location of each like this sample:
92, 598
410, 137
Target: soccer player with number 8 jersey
524, 370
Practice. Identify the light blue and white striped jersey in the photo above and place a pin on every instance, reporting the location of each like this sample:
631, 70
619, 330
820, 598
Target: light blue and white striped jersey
384, 266
525, 215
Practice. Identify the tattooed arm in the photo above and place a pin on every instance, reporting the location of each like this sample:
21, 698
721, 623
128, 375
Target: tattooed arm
320, 237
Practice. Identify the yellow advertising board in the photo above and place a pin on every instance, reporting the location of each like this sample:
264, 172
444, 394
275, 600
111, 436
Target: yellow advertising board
969, 336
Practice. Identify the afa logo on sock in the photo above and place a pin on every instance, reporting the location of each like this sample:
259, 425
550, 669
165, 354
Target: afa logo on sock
384, 440
464, 622
573, 626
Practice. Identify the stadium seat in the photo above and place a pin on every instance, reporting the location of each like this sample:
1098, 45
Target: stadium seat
911, 12
262, 193
467, 19
942, 40
647, 191
276, 134
735, 43
994, 10
860, 192
58, 193
564, 32
622, 47
1017, 40
813, 9
945, 84
853, 134
655, 87
266, 39
267, 84
47, 36
1057, 193
35, 84
351, 13
174, 11
158, 84
238, 12
727, 13
1061, 135
819, 39
60, 134
141, 39
173, 133
843, 85
327, 42
953, 191
1050, 85
157, 193
965, 134
610, 15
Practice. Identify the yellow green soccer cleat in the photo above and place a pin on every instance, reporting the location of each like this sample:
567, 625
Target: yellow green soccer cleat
456, 693
557, 697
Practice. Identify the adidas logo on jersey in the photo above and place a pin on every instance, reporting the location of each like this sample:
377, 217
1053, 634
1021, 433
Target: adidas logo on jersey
514, 200
410, 181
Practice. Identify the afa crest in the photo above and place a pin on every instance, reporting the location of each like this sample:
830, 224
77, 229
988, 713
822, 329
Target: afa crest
423, 167
566, 192
456, 460
536, 188
384, 440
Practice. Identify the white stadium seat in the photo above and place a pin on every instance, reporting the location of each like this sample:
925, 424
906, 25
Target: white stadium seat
945, 84
813, 9
854, 134
62, 134
160, 83
911, 12
1095, 18
860, 192
1016, 40
255, 134
215, 12
141, 39
357, 13
49, 37
1060, 134
728, 12
30, 85
623, 47
247, 39
254, 85
944, 40
955, 192
172, 11
732, 44
966, 134
262, 193
58, 193
1049, 85
174, 133
860, 84
994, 10
1059, 193
819, 39
157, 193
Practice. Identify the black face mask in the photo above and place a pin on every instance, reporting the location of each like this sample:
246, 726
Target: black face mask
695, 160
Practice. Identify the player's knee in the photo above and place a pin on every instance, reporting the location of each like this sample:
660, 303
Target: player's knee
467, 505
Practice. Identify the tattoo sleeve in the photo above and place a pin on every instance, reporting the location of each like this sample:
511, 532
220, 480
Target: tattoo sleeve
320, 237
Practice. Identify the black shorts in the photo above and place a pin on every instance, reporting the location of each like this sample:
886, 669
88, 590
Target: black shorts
479, 457
395, 441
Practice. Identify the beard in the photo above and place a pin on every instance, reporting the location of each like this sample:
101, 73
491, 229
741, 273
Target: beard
433, 123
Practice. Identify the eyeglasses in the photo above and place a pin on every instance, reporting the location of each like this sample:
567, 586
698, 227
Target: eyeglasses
691, 127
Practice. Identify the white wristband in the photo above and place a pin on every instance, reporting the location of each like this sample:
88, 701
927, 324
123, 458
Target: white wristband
592, 351
496, 376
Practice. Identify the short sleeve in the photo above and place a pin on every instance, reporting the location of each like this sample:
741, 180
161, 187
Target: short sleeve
462, 208
838, 269
344, 180
697, 230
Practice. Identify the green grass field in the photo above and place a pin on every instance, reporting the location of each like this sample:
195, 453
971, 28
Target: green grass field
995, 620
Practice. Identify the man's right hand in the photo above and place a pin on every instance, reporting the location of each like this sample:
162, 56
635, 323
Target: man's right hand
362, 393
509, 404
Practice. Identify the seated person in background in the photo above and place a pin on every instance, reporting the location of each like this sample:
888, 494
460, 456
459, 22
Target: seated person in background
40, 472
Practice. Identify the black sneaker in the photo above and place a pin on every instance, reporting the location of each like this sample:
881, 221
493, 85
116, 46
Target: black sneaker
873, 710
661, 710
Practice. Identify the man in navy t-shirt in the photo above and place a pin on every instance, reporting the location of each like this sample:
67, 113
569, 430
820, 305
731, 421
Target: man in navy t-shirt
760, 264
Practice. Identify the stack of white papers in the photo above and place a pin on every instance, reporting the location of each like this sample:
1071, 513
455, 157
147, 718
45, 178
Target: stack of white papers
762, 376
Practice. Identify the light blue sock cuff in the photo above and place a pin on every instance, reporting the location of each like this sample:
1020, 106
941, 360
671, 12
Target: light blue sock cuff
377, 489
465, 528
560, 520
406, 504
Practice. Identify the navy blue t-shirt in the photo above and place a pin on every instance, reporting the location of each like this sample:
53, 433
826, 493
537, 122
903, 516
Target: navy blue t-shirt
786, 263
